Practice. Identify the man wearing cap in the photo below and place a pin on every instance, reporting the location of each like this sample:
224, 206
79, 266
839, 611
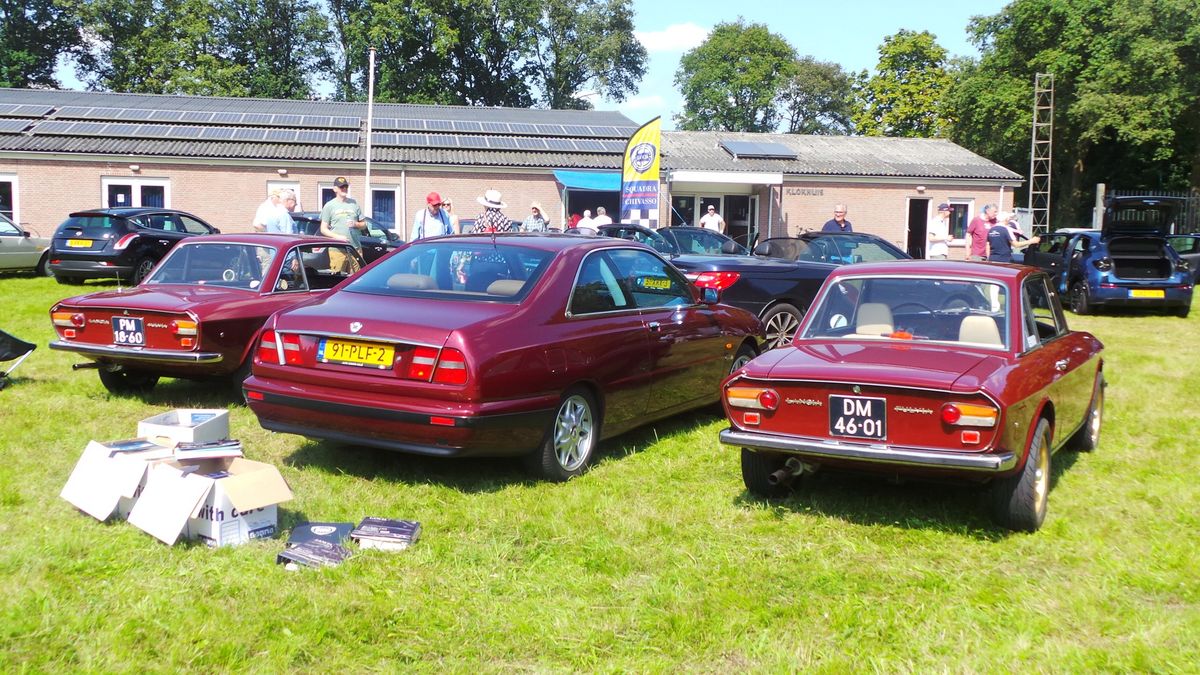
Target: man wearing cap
937, 234
431, 221
341, 218
712, 220
491, 220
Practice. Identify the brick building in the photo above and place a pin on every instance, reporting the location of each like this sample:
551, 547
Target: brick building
62, 151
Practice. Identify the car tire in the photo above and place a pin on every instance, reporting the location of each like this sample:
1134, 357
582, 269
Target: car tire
1080, 303
141, 269
1182, 312
1088, 436
1019, 501
745, 354
43, 266
757, 468
571, 440
781, 323
125, 382
67, 281
239, 376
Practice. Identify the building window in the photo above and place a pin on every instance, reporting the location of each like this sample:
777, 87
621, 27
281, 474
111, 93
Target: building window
125, 192
383, 206
8, 197
960, 217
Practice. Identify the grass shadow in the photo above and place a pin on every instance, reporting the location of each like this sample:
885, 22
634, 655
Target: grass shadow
183, 393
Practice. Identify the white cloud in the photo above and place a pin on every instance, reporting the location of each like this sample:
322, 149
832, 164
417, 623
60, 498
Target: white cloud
679, 37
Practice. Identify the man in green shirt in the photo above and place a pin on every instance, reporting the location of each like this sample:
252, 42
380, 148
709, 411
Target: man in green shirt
342, 219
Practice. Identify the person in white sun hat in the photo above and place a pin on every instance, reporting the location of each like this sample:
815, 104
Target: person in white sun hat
491, 220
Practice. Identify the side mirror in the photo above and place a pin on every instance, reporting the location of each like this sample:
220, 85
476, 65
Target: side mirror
26, 234
391, 236
709, 296
215, 230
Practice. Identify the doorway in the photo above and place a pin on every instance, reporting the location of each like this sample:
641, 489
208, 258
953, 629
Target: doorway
918, 222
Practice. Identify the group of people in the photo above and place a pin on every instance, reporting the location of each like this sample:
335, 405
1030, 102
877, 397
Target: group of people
438, 218
588, 220
993, 236
275, 214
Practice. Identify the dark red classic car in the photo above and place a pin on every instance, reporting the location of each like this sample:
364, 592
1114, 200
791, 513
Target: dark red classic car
924, 369
196, 314
520, 344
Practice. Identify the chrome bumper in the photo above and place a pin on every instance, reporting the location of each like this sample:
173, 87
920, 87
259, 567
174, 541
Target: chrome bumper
131, 354
877, 454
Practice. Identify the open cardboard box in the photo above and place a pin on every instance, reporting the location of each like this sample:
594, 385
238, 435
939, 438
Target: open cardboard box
219, 501
108, 480
186, 425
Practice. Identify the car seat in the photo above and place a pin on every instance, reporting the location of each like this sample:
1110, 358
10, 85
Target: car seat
874, 320
980, 330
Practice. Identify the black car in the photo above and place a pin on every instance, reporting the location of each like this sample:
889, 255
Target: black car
777, 291
376, 240
839, 248
124, 243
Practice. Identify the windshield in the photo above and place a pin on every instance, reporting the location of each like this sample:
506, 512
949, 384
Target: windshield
225, 265
913, 308
703, 242
456, 269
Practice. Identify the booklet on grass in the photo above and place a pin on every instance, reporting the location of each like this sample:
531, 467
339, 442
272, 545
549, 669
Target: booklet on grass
386, 534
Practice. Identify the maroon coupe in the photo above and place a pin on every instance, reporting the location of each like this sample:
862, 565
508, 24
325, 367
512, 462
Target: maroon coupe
924, 369
196, 314
530, 345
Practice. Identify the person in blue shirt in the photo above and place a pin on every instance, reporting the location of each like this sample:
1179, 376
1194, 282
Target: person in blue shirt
431, 221
1002, 241
838, 223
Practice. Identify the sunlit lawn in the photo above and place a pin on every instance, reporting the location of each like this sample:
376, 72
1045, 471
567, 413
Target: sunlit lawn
655, 560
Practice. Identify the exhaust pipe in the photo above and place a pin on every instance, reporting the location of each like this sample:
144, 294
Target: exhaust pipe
82, 366
791, 469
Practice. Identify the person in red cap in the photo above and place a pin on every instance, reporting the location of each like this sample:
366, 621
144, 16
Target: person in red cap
431, 221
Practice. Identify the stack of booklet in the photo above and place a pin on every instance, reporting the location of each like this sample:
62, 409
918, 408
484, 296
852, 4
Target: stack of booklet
315, 545
385, 534
208, 450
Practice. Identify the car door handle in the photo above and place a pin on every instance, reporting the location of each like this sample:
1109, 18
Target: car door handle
654, 326
1061, 365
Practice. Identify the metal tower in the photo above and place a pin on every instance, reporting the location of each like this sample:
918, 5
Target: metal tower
1040, 151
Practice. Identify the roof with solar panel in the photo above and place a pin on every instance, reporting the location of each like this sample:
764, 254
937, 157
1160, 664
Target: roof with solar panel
149, 125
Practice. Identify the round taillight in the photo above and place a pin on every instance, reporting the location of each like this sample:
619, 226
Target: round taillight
174, 328
77, 320
951, 414
768, 399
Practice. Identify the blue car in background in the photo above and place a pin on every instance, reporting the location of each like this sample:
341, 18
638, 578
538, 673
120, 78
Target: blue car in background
1125, 263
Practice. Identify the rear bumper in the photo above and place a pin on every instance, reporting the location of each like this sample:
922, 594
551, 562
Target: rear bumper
434, 432
872, 454
91, 269
132, 355
1173, 296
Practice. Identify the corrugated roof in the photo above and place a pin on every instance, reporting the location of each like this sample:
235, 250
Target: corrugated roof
833, 156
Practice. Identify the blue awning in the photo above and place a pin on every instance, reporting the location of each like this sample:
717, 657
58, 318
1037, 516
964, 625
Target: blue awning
609, 181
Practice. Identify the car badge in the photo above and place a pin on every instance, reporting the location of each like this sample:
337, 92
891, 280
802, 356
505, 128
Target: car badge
355, 326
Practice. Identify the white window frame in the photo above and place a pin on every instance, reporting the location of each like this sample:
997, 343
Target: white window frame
137, 182
369, 209
16, 195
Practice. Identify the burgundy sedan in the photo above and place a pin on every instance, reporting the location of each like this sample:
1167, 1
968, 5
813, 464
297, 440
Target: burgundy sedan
520, 345
924, 369
196, 314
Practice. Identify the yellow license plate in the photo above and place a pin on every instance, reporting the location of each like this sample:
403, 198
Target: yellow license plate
79, 243
656, 283
1147, 293
356, 353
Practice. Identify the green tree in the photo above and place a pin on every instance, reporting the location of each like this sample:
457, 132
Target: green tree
580, 45
734, 80
283, 44
817, 99
491, 43
33, 34
903, 97
1127, 93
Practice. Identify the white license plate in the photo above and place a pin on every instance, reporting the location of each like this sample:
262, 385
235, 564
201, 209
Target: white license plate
129, 330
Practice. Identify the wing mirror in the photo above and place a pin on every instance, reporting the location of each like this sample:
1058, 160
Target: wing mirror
26, 234
709, 296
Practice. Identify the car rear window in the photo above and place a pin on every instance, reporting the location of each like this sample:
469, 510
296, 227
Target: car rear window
456, 269
95, 227
226, 265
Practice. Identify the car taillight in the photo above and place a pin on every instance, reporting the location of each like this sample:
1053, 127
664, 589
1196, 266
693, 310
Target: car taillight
420, 366
969, 415
451, 368
125, 241
268, 350
291, 349
184, 327
717, 281
757, 398
68, 319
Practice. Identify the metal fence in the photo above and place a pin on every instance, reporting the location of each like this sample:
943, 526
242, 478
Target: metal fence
1189, 220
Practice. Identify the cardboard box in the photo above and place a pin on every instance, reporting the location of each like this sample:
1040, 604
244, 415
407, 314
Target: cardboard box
219, 501
109, 477
186, 425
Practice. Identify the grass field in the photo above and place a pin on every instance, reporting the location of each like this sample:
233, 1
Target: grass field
656, 560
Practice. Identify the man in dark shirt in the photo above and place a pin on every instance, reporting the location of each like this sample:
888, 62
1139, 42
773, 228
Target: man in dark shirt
839, 222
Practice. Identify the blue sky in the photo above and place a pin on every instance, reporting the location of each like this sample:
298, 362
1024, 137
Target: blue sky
847, 32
